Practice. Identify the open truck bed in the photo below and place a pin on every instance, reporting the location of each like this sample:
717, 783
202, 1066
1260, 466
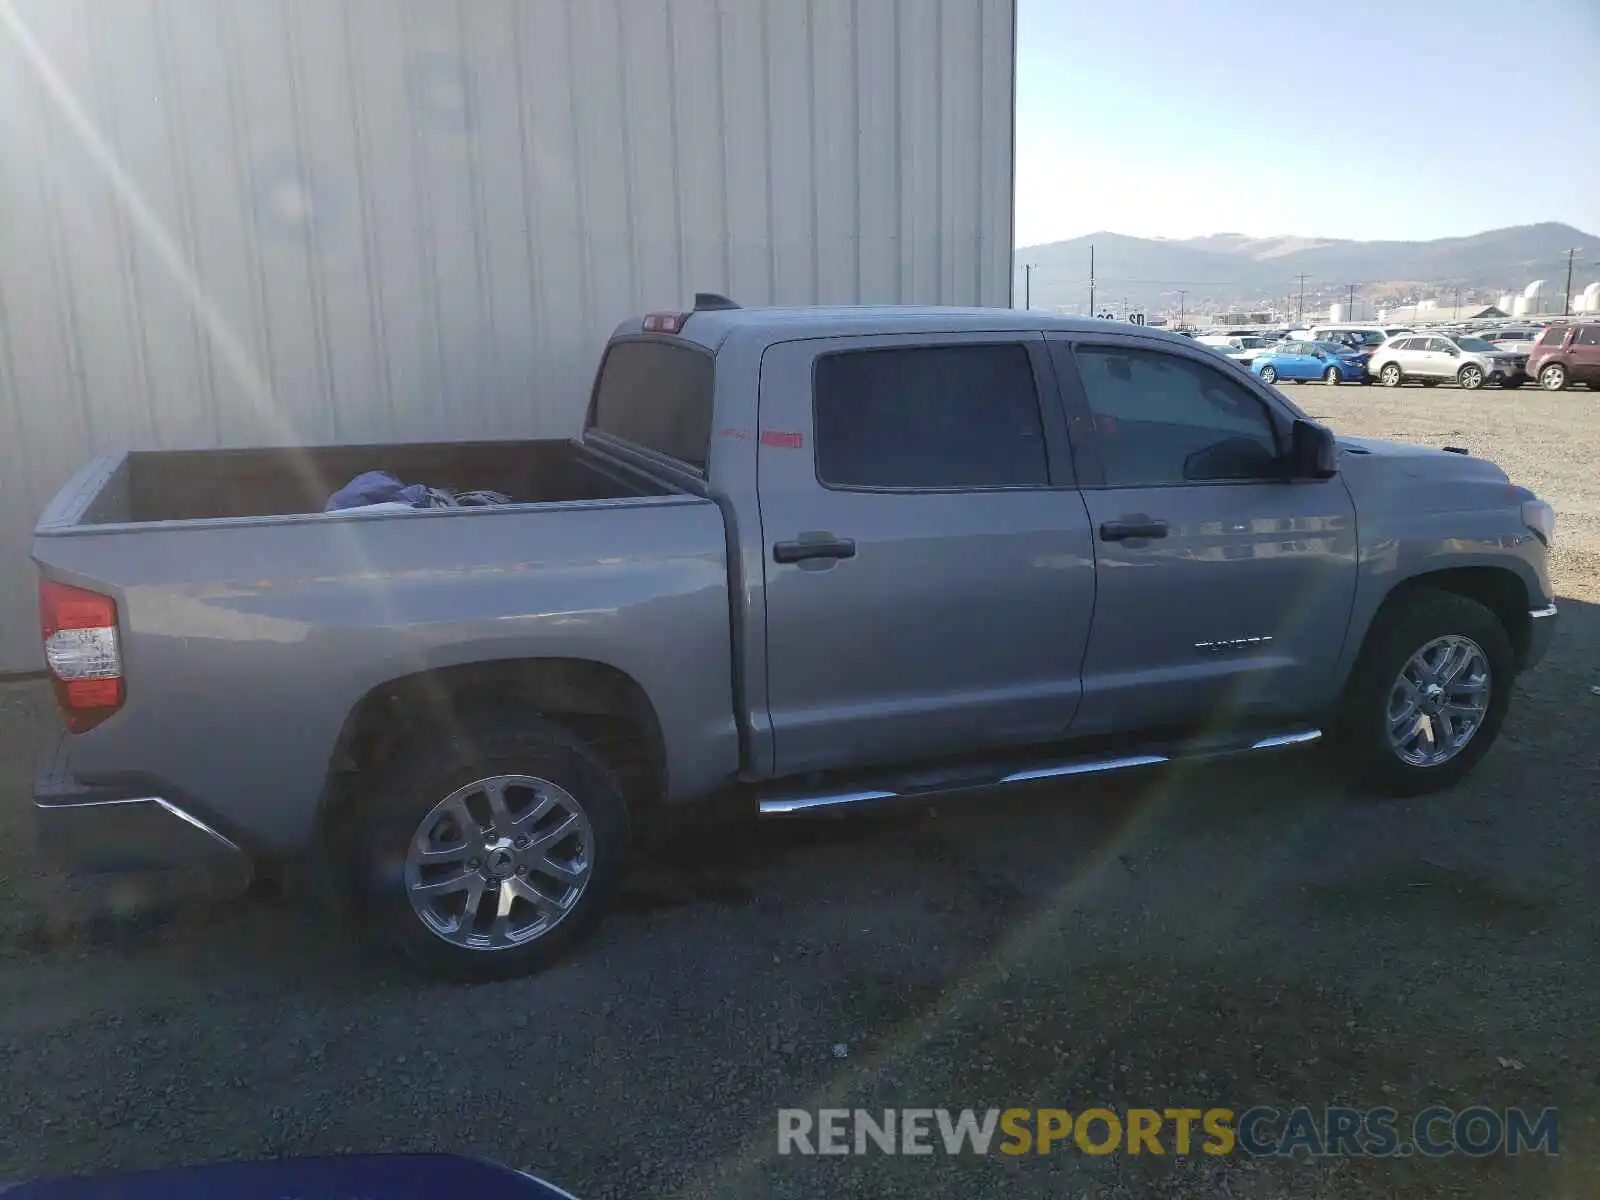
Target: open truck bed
143, 487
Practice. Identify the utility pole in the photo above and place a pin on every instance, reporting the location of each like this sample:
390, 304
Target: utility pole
1455, 313
1350, 307
1181, 294
1566, 294
1027, 285
1302, 278
1091, 279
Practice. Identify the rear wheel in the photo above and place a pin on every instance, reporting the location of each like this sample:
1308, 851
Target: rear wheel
1331, 375
488, 852
1390, 375
1470, 377
1428, 694
1553, 377
1269, 375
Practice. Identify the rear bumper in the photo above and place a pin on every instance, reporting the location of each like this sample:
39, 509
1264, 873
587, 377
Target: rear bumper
1541, 626
95, 829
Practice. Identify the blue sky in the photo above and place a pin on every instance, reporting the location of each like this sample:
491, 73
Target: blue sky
1165, 118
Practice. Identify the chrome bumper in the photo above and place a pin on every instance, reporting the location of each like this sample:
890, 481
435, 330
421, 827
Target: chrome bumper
1541, 625
95, 829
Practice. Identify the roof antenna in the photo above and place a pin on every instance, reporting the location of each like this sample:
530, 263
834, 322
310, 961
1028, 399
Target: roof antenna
712, 302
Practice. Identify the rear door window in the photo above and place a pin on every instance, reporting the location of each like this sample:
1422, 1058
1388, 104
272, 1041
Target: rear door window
1587, 335
1553, 336
657, 395
929, 417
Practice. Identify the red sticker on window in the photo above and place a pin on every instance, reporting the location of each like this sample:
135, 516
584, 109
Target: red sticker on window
782, 440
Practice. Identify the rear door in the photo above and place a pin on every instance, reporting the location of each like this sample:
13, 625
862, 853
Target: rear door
929, 571
1224, 590
1584, 354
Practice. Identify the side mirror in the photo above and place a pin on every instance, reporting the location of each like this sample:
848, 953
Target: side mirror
1313, 454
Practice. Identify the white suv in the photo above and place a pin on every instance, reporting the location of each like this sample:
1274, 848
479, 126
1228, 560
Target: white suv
1435, 357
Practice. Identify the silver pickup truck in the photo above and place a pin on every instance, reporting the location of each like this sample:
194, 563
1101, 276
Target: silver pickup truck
799, 559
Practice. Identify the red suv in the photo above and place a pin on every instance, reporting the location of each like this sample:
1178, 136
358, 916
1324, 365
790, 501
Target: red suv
1566, 354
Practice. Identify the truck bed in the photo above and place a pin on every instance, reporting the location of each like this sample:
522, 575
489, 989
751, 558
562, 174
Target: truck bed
186, 485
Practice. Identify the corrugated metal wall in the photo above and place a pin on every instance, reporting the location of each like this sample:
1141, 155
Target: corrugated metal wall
233, 222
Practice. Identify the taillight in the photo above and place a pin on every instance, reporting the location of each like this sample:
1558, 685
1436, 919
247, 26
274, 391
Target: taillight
82, 652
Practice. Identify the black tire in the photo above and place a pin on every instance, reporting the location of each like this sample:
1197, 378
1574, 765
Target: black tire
1390, 375
402, 795
1403, 627
1331, 375
1430, 383
1470, 378
1553, 377
1512, 384
1269, 375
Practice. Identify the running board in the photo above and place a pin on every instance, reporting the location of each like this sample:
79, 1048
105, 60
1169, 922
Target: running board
789, 803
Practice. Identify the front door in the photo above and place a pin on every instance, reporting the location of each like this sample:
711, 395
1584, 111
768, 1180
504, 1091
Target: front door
929, 573
1223, 590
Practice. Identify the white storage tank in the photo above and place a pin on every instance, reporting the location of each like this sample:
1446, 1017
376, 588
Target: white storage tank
1335, 314
237, 223
1589, 299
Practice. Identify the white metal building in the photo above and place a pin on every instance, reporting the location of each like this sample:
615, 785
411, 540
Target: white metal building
237, 222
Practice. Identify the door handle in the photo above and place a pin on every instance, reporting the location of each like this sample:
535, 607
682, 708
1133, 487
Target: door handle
809, 546
1132, 530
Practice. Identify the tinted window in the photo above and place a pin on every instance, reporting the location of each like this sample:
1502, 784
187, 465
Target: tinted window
1160, 418
935, 417
1553, 336
1587, 335
658, 395
1404, 344
1439, 345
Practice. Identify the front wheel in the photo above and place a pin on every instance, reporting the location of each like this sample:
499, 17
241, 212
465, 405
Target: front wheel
1428, 694
1390, 375
1553, 378
486, 853
1470, 377
1268, 375
1331, 375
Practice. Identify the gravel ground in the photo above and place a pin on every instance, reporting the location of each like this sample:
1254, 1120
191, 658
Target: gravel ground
1226, 936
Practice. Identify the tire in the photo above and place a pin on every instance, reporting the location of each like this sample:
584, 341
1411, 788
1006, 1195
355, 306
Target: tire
539, 766
1553, 377
1331, 375
1269, 375
1430, 383
1512, 384
1402, 629
1391, 375
1470, 377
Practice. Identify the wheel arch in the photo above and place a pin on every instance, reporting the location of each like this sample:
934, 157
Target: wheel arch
600, 703
1499, 589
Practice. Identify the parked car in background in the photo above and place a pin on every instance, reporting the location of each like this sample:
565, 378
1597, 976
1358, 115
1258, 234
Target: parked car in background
1567, 354
1435, 358
1369, 337
1242, 348
704, 597
1518, 341
1296, 360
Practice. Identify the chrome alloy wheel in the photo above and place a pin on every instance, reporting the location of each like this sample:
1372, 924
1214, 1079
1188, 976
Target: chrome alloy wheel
499, 862
1438, 701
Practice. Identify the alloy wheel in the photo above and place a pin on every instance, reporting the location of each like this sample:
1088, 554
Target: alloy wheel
1438, 701
499, 862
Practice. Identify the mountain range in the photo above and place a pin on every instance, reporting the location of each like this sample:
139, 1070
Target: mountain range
1233, 269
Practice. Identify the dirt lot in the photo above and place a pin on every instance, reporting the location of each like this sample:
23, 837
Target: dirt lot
1241, 934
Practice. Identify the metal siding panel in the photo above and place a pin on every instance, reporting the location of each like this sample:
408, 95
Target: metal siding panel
833, 150
252, 221
744, 118
877, 169
702, 183
996, 138
789, 138
920, 86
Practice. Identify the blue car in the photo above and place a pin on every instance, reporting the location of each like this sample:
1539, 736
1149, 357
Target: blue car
1327, 361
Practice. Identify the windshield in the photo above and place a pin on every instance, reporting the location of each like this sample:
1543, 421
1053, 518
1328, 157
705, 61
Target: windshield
1474, 344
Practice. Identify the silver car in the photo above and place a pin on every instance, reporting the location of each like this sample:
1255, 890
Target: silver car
1434, 358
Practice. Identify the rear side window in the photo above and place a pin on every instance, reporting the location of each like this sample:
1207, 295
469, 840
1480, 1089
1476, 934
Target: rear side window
1553, 336
656, 395
1587, 335
929, 417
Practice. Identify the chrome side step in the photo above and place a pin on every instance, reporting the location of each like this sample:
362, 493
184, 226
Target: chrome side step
791, 803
